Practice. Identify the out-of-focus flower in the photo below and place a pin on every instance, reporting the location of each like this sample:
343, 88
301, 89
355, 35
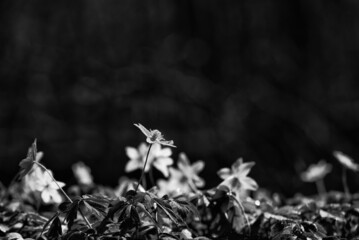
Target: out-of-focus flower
154, 136
26, 165
236, 178
40, 181
186, 234
175, 185
190, 171
82, 174
316, 172
346, 161
125, 184
158, 158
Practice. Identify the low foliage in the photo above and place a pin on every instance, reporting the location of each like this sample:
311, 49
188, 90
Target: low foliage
173, 209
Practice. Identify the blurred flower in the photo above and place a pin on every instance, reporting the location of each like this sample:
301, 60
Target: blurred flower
40, 181
154, 136
124, 185
158, 158
191, 171
175, 185
346, 161
26, 165
236, 178
316, 172
82, 173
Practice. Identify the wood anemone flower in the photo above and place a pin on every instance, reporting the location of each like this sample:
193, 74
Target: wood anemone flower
154, 136
316, 173
159, 157
175, 185
26, 165
191, 171
236, 178
346, 161
40, 181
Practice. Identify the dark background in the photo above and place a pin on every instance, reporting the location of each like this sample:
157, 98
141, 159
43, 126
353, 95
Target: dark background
275, 82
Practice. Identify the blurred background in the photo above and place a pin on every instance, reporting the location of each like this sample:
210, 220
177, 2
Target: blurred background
275, 82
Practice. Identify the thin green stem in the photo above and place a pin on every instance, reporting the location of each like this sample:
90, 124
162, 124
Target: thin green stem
144, 167
243, 211
152, 179
345, 183
144, 182
86, 220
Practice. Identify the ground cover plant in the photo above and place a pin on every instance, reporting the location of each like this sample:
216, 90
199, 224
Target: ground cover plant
176, 206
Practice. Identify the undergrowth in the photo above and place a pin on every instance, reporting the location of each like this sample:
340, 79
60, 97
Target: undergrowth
35, 206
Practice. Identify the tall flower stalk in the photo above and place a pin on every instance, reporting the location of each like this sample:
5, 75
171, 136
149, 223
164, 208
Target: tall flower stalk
152, 136
347, 163
143, 169
316, 173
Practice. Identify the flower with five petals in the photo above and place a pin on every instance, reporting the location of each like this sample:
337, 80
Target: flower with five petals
154, 136
236, 178
175, 185
158, 157
40, 181
190, 171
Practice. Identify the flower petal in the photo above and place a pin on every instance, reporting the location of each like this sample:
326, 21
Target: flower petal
198, 181
232, 183
183, 162
245, 168
236, 164
142, 149
155, 149
198, 166
56, 197
162, 165
132, 152
165, 152
133, 165
143, 129
346, 161
249, 184
45, 196
167, 143
55, 186
224, 173
39, 156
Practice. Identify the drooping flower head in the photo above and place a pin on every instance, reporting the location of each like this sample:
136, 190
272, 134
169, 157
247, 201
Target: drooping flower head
154, 136
316, 172
236, 178
346, 161
158, 157
26, 165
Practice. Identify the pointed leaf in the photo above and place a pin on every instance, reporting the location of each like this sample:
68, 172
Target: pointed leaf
55, 230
